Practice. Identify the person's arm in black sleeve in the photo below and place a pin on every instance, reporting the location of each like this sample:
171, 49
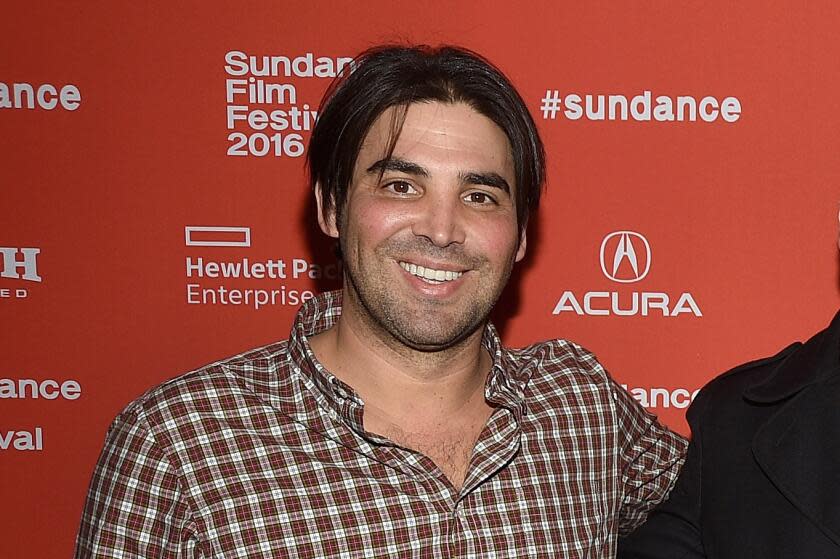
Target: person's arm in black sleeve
673, 530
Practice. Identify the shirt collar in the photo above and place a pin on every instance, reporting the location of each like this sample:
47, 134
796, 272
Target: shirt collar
503, 387
315, 316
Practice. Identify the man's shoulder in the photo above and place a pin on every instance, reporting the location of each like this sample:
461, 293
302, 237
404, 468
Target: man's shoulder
216, 389
558, 364
727, 389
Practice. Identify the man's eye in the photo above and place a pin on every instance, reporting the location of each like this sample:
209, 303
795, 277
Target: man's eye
400, 187
480, 198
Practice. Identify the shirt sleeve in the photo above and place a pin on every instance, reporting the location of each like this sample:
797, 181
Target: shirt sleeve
135, 506
651, 458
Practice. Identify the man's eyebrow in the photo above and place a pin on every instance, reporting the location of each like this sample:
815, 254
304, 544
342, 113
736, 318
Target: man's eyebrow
486, 179
398, 165
491, 179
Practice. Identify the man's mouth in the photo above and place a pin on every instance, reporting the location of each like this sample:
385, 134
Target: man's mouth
430, 274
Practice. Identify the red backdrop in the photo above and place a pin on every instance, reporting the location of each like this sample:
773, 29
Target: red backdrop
128, 143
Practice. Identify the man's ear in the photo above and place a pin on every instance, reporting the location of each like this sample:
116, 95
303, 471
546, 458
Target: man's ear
523, 244
325, 221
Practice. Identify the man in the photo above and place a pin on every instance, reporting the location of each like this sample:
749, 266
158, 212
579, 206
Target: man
762, 476
393, 423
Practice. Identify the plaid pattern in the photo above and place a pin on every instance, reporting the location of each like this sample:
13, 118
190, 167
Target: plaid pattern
264, 455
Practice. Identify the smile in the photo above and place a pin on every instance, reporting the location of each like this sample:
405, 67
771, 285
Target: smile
430, 274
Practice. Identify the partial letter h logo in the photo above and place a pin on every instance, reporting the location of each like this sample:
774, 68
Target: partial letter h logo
28, 264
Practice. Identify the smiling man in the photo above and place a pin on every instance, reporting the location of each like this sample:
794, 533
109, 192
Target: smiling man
392, 422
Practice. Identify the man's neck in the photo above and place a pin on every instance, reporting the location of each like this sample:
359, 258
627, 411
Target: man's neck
432, 402
397, 381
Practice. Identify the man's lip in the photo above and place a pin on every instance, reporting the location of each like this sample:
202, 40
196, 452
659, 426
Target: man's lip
431, 277
444, 266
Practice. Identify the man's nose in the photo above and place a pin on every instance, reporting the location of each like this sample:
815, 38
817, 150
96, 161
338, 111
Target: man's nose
440, 219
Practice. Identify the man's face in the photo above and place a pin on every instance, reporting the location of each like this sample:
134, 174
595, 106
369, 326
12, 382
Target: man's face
429, 234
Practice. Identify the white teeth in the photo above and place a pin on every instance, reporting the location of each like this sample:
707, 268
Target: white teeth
429, 273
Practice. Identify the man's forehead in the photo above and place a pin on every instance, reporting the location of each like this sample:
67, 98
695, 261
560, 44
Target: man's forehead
399, 129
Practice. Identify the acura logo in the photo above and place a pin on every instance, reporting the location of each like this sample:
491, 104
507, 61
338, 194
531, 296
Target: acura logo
625, 256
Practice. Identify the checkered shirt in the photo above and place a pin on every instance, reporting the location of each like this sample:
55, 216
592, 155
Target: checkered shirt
265, 455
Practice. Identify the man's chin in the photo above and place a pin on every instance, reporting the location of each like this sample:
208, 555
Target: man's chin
420, 323
434, 342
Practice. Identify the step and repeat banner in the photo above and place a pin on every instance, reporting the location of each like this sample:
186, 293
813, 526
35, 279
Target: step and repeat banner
155, 213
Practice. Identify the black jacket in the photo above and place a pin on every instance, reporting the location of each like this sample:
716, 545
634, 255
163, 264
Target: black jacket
762, 476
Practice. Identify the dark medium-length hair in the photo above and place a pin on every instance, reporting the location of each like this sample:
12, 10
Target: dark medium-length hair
397, 76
